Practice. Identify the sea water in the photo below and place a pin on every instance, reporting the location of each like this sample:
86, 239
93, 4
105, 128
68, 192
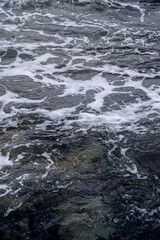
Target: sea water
79, 120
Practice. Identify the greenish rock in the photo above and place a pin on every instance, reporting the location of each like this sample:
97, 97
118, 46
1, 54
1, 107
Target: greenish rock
86, 223
84, 158
90, 153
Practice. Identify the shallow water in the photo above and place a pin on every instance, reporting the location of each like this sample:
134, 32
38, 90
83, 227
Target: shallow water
79, 123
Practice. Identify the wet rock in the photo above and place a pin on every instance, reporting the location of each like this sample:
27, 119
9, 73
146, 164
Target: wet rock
24, 86
109, 103
151, 82
9, 235
140, 94
101, 238
119, 83
149, 161
90, 153
85, 74
2, 91
9, 56
1, 104
53, 231
18, 150
123, 89
26, 57
59, 59
123, 98
147, 153
2, 53
115, 100
77, 224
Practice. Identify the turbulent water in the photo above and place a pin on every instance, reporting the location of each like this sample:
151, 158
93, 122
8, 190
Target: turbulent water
79, 120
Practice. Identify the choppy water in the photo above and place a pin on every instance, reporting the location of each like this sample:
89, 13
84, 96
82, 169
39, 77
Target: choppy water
80, 117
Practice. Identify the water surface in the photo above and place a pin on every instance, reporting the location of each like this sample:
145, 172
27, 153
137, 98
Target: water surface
79, 122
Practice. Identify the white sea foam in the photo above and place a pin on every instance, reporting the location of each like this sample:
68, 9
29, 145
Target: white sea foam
4, 160
50, 164
74, 52
3, 186
100, 85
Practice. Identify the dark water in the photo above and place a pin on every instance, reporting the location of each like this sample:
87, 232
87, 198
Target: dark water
79, 122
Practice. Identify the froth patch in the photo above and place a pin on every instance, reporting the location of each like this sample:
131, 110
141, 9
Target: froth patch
4, 160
